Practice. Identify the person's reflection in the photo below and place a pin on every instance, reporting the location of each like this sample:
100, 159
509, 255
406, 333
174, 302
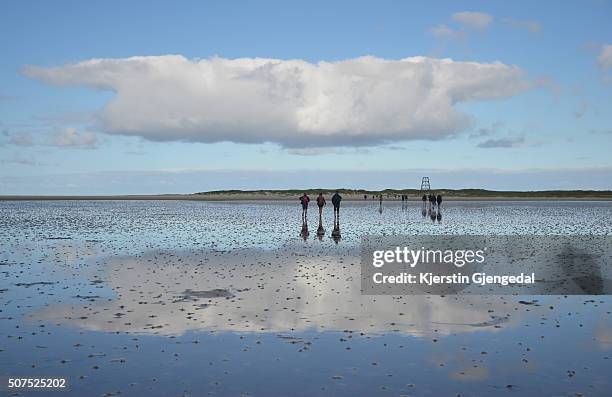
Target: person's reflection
320, 229
335, 234
433, 215
380, 207
439, 217
304, 232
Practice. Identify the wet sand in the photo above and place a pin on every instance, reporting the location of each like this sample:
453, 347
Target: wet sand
179, 298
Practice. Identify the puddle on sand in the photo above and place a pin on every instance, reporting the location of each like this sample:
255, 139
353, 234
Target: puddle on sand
190, 299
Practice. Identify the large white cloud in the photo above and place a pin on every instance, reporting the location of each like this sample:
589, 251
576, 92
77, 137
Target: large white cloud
295, 103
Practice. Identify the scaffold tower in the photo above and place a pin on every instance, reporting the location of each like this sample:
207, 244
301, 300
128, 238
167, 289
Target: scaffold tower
425, 187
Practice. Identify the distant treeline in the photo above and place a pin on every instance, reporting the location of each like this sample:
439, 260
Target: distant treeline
417, 192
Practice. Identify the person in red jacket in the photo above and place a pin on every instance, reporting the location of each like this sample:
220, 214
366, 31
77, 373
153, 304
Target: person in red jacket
321, 203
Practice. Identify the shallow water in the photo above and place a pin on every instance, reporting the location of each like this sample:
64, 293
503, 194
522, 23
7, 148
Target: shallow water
196, 298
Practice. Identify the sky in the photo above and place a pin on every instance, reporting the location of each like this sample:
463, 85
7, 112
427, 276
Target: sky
176, 97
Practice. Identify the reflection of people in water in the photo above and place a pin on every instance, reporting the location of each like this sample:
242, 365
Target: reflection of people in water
380, 207
424, 206
335, 234
320, 229
304, 233
439, 202
432, 201
433, 215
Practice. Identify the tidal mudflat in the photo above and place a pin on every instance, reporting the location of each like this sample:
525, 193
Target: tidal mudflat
164, 298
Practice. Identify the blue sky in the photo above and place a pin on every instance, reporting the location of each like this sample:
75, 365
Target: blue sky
543, 121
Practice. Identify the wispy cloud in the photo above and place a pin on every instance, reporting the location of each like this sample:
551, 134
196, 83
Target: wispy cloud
70, 137
508, 142
317, 151
21, 139
605, 57
473, 20
583, 108
311, 151
468, 21
445, 32
24, 160
63, 137
600, 132
7, 97
604, 60
486, 131
548, 83
529, 25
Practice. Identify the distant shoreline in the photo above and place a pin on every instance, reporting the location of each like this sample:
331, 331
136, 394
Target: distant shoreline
388, 195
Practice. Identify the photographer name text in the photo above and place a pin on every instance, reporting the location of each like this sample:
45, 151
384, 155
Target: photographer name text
430, 279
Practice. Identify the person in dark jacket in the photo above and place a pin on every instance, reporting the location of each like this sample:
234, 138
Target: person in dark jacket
304, 200
336, 198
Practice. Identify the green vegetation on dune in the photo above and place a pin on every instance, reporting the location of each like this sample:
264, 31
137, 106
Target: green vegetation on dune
607, 194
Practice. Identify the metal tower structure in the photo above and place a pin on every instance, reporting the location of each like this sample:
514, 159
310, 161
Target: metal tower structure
425, 187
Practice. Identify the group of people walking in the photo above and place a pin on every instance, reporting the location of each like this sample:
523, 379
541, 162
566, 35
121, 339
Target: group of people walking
321, 202
433, 199
434, 210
